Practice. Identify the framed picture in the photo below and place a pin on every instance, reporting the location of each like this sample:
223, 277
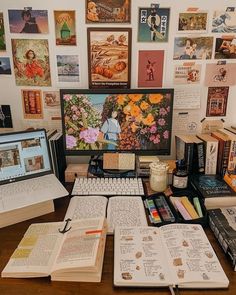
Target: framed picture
193, 47
153, 24
31, 62
65, 27
5, 66
225, 47
150, 68
5, 117
191, 22
217, 101
2, 34
103, 11
28, 21
32, 104
109, 57
224, 21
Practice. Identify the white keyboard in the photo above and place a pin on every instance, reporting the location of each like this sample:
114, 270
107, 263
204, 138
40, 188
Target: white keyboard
108, 186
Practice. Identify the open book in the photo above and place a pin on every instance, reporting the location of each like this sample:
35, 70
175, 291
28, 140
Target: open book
120, 210
71, 251
172, 255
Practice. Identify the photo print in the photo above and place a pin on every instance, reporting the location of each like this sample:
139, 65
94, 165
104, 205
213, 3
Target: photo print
187, 73
109, 55
31, 62
32, 104
191, 22
68, 68
193, 48
5, 66
65, 27
224, 21
103, 11
51, 99
225, 47
153, 24
217, 101
2, 34
5, 116
222, 74
150, 68
28, 21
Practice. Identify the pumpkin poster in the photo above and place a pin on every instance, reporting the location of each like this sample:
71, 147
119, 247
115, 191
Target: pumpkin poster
65, 27
109, 57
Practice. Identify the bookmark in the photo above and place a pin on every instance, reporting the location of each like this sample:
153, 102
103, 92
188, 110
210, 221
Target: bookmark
182, 210
197, 206
189, 207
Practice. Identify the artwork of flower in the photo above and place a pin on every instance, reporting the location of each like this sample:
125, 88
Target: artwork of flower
143, 121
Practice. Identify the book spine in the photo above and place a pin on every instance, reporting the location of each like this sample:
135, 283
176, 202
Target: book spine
232, 156
221, 154
188, 156
211, 151
199, 158
225, 159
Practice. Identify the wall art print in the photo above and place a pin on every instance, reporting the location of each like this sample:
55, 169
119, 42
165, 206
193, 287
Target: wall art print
65, 27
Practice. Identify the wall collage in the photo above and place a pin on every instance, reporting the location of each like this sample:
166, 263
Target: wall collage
109, 55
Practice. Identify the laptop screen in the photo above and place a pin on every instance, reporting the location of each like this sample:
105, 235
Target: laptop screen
24, 155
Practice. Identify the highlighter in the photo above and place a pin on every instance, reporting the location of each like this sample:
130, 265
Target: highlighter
197, 206
189, 207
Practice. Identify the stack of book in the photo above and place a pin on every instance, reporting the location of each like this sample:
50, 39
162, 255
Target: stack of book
142, 165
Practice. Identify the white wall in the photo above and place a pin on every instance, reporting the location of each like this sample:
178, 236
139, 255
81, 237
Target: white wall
11, 94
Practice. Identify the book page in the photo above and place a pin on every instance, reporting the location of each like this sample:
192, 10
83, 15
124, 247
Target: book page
125, 211
192, 257
139, 258
83, 207
80, 245
36, 252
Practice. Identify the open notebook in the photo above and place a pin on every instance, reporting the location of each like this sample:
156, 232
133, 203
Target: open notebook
26, 176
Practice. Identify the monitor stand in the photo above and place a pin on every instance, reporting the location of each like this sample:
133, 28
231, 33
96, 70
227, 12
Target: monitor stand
96, 169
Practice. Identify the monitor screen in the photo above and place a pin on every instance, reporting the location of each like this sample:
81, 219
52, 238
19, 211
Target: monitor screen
117, 120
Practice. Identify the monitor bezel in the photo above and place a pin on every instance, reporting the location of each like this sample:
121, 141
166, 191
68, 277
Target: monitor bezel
161, 152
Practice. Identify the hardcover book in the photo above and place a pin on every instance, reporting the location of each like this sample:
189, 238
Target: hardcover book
171, 255
232, 150
215, 191
184, 150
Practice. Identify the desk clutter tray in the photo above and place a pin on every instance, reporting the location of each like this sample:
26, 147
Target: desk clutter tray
183, 206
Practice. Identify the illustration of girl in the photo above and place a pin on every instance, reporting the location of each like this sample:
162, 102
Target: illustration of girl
111, 130
33, 68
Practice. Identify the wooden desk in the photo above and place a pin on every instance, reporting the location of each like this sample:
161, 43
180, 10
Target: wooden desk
10, 237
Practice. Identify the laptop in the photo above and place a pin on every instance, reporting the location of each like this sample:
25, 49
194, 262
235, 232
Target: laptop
26, 175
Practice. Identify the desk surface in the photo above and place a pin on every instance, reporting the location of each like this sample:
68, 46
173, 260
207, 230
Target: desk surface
10, 237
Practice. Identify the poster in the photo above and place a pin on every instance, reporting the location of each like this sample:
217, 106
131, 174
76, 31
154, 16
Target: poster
222, 74
224, 21
2, 34
109, 57
153, 24
187, 73
192, 22
28, 21
31, 62
5, 66
103, 11
193, 47
217, 101
65, 27
150, 68
225, 47
5, 117
32, 104
68, 68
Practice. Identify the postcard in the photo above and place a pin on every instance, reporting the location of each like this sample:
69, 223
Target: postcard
32, 104
68, 68
103, 11
153, 24
186, 122
209, 126
217, 101
224, 21
109, 57
225, 47
2, 34
191, 22
28, 21
193, 47
5, 66
150, 68
51, 99
187, 98
65, 27
31, 62
187, 73
5, 116
220, 74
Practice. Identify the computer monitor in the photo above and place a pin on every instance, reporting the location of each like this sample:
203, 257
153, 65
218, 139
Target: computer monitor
101, 121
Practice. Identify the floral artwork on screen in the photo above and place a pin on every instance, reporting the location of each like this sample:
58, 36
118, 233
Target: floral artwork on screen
130, 121
31, 62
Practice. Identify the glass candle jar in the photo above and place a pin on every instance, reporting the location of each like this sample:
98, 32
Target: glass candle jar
158, 176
